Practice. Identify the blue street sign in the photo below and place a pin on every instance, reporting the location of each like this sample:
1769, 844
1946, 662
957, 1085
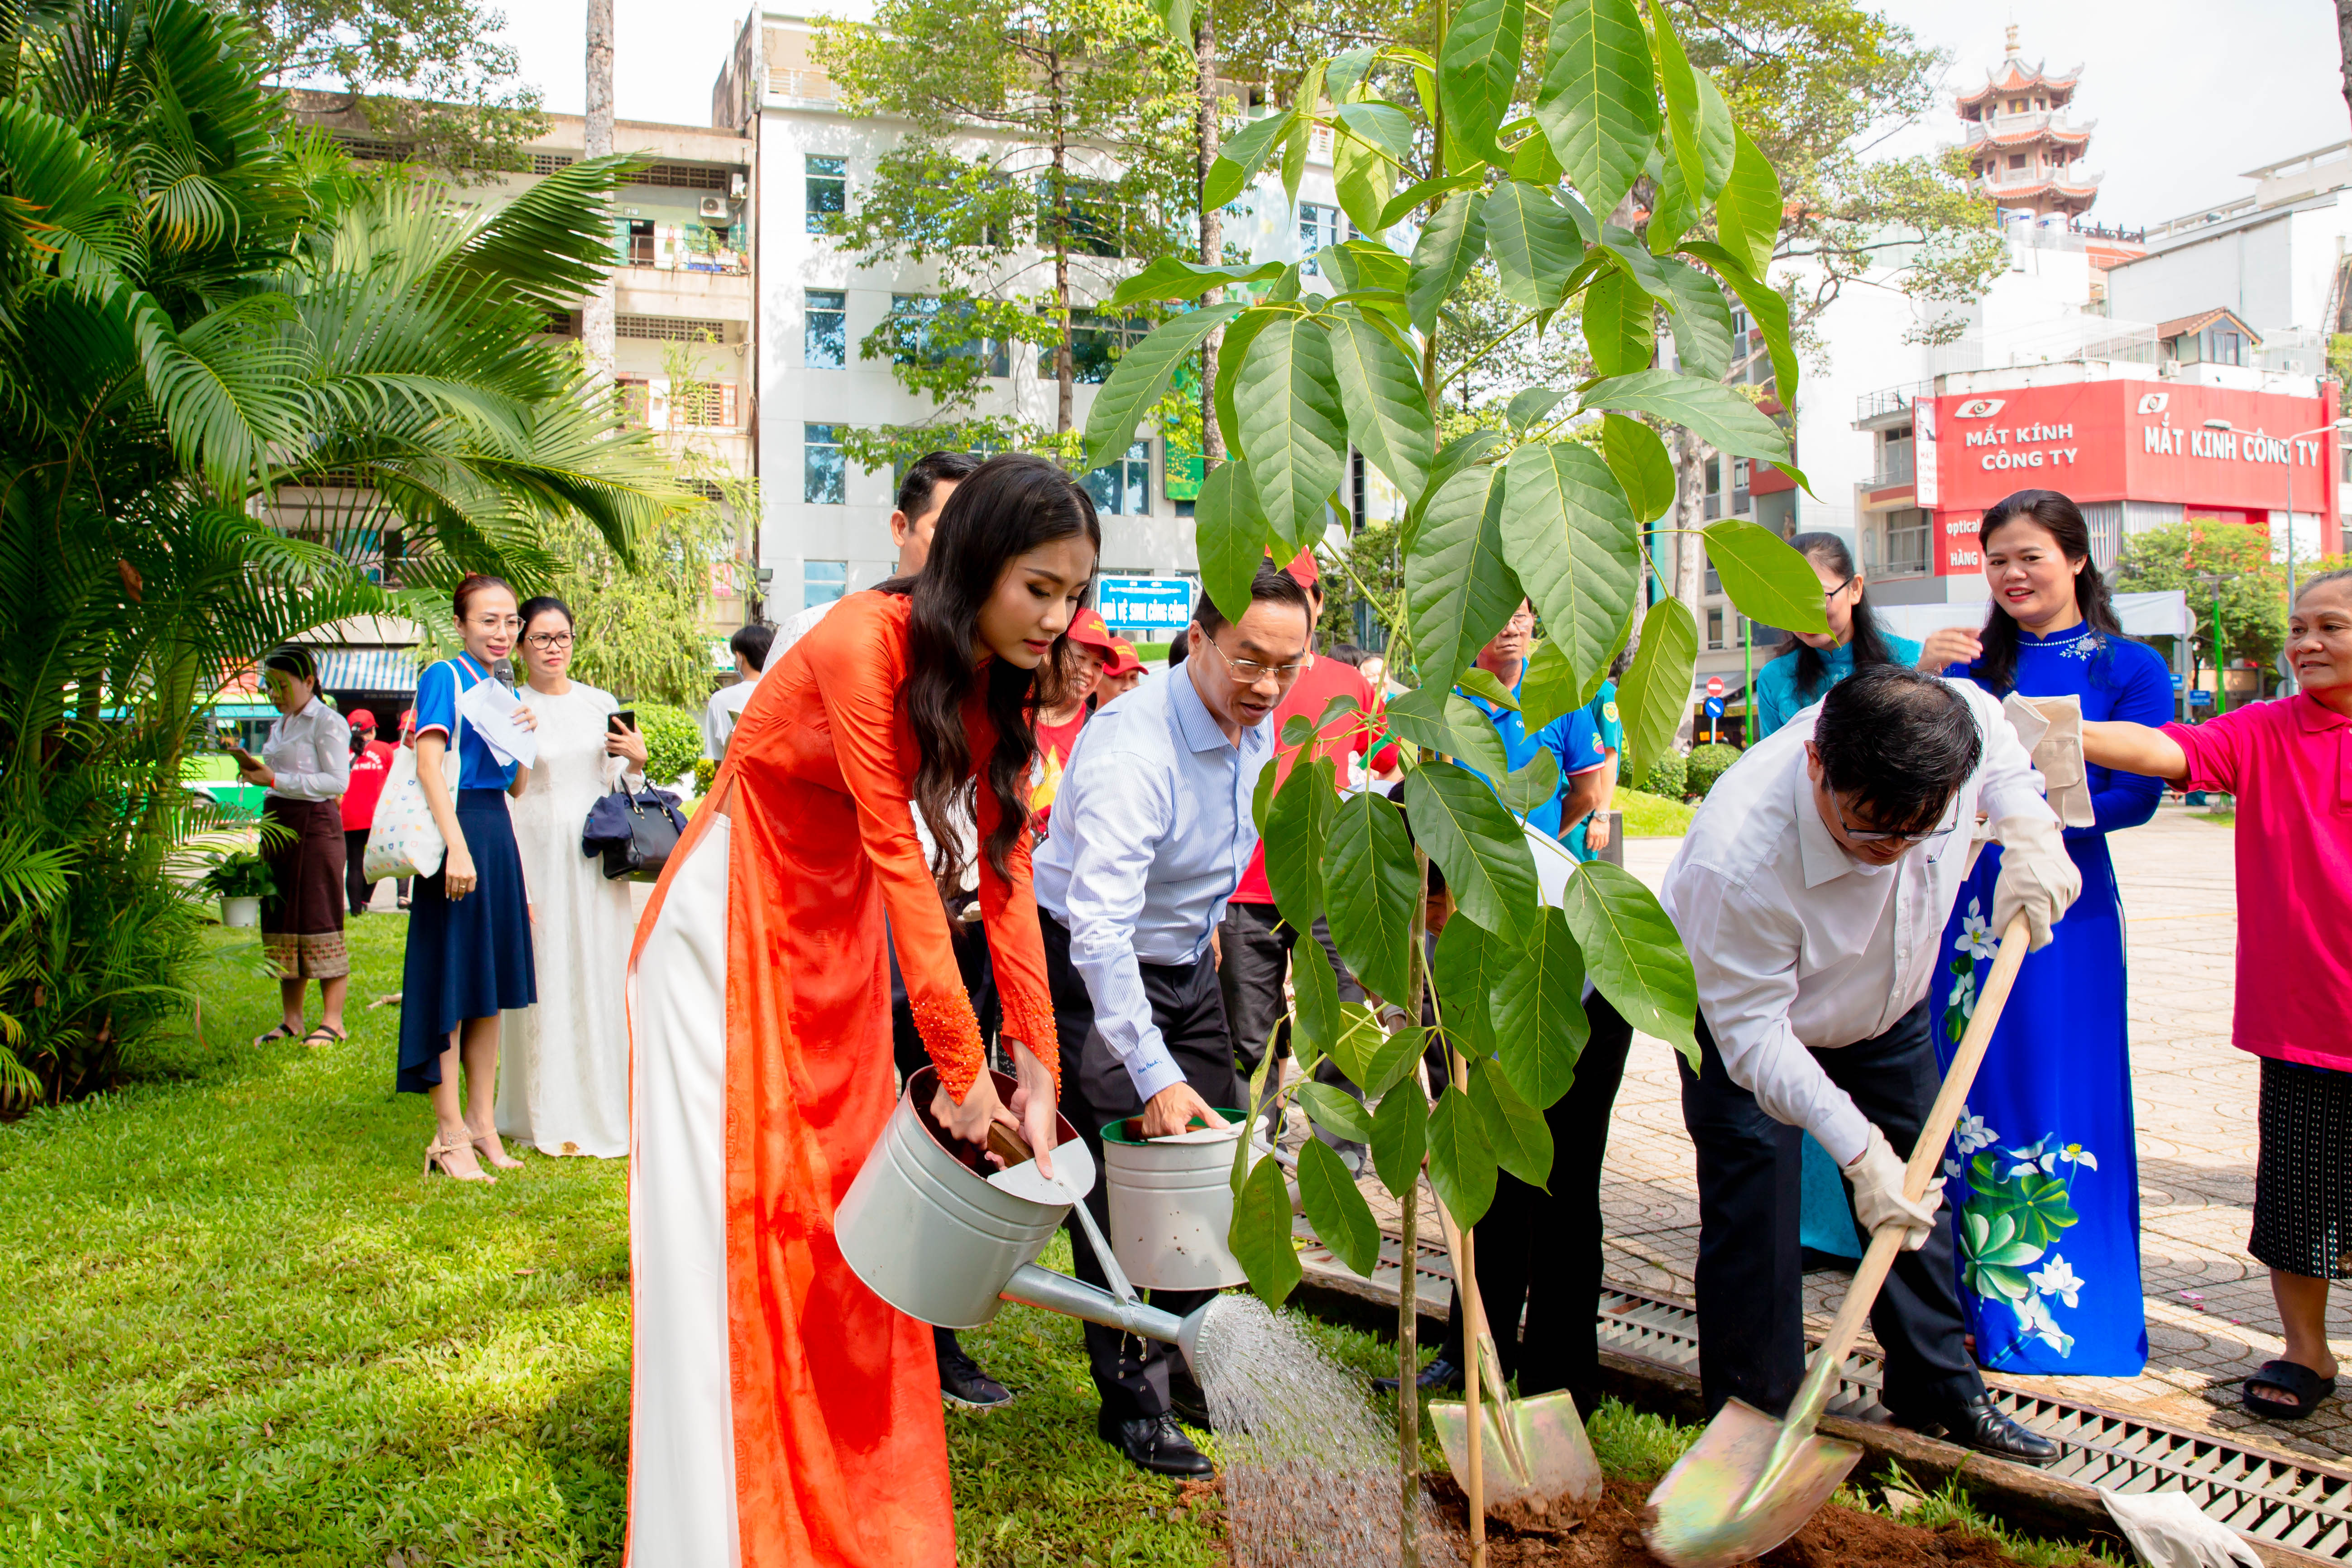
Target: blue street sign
2201, 700
1153, 607
2179, 681
1715, 707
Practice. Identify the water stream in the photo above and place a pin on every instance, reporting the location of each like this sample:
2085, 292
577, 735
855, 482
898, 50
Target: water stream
1309, 1467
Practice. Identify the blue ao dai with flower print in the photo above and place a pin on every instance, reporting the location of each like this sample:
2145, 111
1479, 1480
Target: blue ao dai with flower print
2043, 1177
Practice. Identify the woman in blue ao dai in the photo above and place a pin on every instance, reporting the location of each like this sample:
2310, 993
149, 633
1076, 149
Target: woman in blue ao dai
2043, 1177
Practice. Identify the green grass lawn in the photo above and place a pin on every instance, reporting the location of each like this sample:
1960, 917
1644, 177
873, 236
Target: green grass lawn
1652, 815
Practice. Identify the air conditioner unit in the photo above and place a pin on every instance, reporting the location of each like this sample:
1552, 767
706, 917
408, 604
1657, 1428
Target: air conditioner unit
714, 207
738, 186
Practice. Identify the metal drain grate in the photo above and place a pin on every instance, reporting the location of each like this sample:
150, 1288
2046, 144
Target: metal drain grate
2293, 1505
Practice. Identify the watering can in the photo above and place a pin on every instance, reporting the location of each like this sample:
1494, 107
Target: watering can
933, 1229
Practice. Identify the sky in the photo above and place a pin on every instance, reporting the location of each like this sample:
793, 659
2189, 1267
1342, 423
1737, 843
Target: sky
2187, 94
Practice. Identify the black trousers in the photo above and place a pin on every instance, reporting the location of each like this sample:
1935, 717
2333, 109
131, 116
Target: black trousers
1258, 947
1751, 1313
1539, 1253
1131, 1373
356, 887
907, 1049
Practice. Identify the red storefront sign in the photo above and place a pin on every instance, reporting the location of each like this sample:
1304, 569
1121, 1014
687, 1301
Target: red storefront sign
2127, 440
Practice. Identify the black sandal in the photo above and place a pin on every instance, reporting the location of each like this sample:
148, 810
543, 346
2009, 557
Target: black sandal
322, 1035
279, 1033
2288, 1377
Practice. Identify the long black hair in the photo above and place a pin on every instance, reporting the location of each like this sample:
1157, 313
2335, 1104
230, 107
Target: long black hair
1869, 644
1010, 505
1996, 668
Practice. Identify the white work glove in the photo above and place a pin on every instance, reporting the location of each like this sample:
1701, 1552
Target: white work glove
1878, 1200
2051, 728
2038, 878
2167, 1530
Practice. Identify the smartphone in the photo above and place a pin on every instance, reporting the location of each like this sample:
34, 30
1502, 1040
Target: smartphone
621, 722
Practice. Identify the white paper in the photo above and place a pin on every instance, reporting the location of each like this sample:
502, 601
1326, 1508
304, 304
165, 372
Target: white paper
488, 706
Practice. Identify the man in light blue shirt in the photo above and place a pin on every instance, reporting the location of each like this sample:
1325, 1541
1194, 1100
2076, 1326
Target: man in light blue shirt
1151, 832
1571, 739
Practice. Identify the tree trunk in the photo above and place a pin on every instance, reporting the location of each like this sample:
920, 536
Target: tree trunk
1690, 550
1212, 236
596, 318
2344, 39
1064, 371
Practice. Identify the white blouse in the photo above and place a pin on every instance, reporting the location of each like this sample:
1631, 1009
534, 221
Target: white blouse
310, 752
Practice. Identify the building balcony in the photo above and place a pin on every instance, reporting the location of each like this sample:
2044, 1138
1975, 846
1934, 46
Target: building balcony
1895, 466
676, 291
1889, 405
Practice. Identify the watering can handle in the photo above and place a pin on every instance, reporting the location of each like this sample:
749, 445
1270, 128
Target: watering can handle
1013, 1150
1828, 1361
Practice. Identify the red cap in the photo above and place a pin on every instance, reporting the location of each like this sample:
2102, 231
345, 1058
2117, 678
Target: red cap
1123, 660
361, 719
1088, 628
1302, 568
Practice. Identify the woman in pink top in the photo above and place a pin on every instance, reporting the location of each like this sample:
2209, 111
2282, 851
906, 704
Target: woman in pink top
2289, 762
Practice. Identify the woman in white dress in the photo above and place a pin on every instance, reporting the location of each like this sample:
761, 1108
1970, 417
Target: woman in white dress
565, 1087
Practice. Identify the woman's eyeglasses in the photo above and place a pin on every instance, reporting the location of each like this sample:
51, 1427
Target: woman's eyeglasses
548, 642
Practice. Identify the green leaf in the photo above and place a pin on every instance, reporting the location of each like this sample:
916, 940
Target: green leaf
1460, 590
1481, 683
1701, 320
1461, 1161
1341, 1217
1538, 1010
1296, 830
1422, 192
1569, 535
1346, 69
1141, 378
1293, 429
1715, 413
1536, 244
1748, 212
1526, 407
1683, 107
1363, 180
1715, 133
1383, 128
1477, 68
1767, 580
1516, 1130
1173, 277
1674, 214
1260, 1233
1262, 798
1620, 324
1452, 459
1241, 156
1476, 742
1231, 352
1361, 264
1293, 156
1629, 256
1464, 968
1534, 162
1400, 1138
1548, 689
1229, 533
1319, 1021
1388, 417
1369, 890
1449, 247
1490, 868
1176, 15
1639, 461
1390, 1056
1656, 692
1334, 1110
1598, 103
1766, 307
1636, 958
1418, 719
1534, 782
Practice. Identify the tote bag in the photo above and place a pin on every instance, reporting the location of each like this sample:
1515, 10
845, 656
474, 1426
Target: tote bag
404, 840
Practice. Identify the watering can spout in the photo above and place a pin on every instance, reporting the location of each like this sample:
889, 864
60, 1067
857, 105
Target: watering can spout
1035, 1287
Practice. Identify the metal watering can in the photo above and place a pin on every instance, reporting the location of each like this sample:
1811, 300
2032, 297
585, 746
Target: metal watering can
931, 1228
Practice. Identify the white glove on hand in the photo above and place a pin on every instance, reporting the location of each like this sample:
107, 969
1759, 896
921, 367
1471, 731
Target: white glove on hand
2051, 728
2167, 1530
2038, 878
1878, 1200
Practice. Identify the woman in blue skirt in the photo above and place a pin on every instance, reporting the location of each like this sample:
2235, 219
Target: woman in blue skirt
470, 954
2044, 1180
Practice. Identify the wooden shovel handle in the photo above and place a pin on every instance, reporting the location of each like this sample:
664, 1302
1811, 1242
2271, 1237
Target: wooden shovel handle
1008, 1146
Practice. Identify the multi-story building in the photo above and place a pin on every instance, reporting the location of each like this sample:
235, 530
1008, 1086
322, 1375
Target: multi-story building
2024, 151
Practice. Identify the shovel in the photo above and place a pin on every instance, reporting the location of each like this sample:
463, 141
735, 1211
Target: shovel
1750, 1482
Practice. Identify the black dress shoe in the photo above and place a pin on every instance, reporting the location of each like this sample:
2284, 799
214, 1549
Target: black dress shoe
1442, 1375
1977, 1423
1154, 1443
961, 1383
1190, 1404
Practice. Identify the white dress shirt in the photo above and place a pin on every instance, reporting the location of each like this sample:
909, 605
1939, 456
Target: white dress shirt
718, 714
1797, 944
1151, 832
795, 627
310, 753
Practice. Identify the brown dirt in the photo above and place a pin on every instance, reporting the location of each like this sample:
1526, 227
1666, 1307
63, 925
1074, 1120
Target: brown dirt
1610, 1537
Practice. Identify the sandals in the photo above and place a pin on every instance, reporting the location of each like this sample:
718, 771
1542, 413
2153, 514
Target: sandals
488, 1146
281, 1032
324, 1035
438, 1154
2288, 1377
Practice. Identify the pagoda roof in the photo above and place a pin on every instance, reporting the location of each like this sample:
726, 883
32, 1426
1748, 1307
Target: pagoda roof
2012, 74
2070, 135
2181, 326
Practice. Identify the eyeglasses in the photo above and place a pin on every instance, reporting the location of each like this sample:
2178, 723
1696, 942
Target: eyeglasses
1249, 671
1828, 594
494, 623
548, 641
1873, 836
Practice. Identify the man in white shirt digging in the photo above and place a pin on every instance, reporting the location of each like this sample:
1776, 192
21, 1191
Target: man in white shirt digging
1812, 892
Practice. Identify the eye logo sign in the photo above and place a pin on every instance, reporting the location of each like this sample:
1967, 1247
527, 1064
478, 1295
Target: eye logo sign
2154, 402
1978, 408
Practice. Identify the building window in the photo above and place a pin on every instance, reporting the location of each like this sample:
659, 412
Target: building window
825, 343
2017, 159
824, 473
823, 581
1319, 225
916, 339
1894, 459
1095, 344
828, 190
710, 403
1908, 532
636, 400
1097, 217
1714, 628
1123, 488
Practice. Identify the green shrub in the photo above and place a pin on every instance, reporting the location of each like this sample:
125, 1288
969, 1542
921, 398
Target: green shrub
1707, 764
241, 875
706, 773
1668, 777
673, 744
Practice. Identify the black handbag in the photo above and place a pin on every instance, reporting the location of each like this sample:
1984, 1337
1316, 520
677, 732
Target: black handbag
634, 832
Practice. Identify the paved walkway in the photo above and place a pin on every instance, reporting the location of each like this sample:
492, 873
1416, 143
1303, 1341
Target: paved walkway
2210, 1318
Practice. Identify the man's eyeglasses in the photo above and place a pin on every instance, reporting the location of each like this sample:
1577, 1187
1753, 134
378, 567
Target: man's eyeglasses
547, 642
1249, 671
1873, 836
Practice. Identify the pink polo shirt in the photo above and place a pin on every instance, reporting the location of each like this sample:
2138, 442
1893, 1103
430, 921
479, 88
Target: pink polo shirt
2289, 762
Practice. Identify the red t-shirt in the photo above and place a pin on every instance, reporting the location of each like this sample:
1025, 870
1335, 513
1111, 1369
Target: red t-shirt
1309, 695
2289, 762
1053, 744
368, 769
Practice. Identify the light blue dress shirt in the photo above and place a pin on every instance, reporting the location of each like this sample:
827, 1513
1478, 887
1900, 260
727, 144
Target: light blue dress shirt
1151, 832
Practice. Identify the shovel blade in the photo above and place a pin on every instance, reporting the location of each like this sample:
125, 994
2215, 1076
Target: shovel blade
1561, 1477
1725, 1502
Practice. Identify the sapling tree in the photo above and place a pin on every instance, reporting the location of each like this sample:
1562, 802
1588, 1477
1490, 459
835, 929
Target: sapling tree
1439, 162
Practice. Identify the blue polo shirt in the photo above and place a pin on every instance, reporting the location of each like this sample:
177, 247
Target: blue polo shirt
437, 708
1610, 731
1573, 738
